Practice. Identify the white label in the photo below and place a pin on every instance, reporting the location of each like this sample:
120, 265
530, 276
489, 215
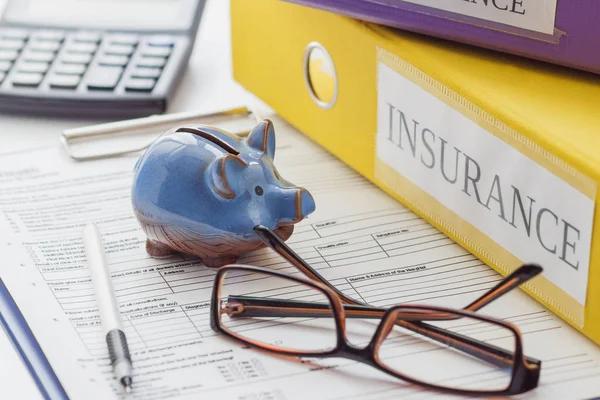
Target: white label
526, 209
534, 15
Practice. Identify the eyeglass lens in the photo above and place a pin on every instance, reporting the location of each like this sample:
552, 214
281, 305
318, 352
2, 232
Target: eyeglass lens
414, 355
276, 326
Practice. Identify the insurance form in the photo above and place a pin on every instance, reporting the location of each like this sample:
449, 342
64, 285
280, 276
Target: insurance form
361, 240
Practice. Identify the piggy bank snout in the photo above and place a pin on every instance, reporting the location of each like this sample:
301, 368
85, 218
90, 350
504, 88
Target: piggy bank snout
307, 203
290, 205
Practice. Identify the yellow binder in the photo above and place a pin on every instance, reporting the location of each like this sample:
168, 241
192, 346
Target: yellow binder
499, 153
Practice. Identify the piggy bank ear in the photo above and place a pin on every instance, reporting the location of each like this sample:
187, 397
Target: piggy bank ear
224, 175
262, 137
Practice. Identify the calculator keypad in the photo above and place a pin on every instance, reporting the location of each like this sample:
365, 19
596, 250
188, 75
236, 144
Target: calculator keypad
43, 45
139, 85
119, 50
151, 62
64, 81
79, 47
145, 73
34, 67
86, 37
82, 60
8, 55
116, 61
103, 78
27, 79
5, 66
12, 33
11, 44
69, 69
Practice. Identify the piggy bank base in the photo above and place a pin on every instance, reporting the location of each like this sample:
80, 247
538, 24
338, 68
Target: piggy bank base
214, 251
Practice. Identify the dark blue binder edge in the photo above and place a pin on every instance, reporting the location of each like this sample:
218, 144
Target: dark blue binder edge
28, 347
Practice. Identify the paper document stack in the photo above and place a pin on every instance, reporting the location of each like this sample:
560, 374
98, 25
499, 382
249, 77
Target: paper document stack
360, 239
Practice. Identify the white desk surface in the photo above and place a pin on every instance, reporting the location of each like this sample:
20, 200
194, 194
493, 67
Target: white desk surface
206, 86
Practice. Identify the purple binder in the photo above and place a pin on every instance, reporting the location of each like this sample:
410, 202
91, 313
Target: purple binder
571, 36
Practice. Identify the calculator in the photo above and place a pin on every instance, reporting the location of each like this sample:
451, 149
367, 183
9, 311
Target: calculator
94, 58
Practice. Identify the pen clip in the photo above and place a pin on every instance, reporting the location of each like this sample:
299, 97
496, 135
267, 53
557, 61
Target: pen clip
154, 123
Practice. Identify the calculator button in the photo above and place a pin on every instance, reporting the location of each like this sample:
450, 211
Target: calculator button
119, 49
87, 37
150, 51
40, 67
151, 62
64, 81
38, 56
117, 61
124, 38
8, 55
161, 40
146, 72
9, 33
74, 58
103, 78
86, 48
5, 66
11, 44
51, 35
70, 69
140, 85
44, 45
27, 79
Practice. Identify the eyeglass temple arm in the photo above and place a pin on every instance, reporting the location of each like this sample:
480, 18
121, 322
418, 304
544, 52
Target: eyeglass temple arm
248, 307
274, 242
512, 281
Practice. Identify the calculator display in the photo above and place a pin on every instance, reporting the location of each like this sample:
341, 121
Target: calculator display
167, 15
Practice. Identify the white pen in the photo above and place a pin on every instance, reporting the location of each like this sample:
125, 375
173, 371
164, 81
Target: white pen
108, 307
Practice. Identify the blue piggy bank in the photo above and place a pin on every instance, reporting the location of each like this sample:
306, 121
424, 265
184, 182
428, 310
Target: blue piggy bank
200, 190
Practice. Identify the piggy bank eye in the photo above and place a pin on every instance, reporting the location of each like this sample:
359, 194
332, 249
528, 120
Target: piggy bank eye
259, 190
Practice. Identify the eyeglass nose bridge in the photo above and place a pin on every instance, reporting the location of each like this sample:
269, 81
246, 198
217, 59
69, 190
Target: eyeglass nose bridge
364, 354
355, 353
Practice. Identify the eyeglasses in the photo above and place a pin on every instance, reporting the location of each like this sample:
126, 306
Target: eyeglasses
422, 345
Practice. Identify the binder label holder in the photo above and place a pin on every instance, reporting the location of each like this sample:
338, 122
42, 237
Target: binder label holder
464, 164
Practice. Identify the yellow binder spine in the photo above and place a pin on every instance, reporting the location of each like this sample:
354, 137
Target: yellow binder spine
270, 41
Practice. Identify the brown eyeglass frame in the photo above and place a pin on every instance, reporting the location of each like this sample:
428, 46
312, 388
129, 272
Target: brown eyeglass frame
525, 370
525, 373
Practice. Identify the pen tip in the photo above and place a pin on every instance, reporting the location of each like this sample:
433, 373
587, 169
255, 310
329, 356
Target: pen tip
126, 381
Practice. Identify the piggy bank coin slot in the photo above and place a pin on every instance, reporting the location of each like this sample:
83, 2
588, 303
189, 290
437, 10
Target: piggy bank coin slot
211, 138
